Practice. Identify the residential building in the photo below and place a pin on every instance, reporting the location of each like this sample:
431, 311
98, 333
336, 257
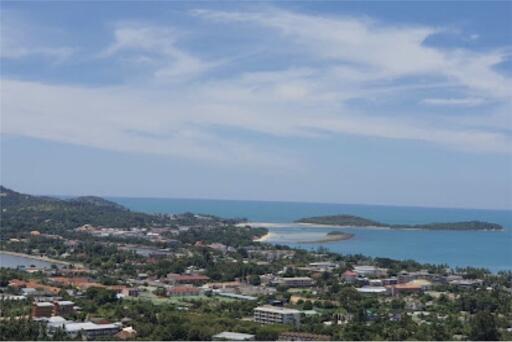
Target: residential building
268, 314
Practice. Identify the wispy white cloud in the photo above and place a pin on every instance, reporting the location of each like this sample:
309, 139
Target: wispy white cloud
158, 45
341, 60
21, 39
463, 102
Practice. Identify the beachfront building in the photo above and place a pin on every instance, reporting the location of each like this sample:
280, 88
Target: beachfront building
268, 314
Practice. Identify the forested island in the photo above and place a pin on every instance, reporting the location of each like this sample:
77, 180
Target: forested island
356, 221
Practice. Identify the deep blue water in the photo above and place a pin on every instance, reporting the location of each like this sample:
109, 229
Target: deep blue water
491, 250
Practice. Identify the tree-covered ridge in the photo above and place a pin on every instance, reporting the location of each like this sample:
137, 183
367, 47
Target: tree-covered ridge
23, 212
356, 221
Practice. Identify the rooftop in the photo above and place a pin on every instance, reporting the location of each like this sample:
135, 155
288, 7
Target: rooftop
277, 309
233, 336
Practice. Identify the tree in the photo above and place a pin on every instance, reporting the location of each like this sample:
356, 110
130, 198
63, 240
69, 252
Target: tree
483, 327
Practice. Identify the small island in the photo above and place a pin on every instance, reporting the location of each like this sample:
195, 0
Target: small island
333, 236
356, 221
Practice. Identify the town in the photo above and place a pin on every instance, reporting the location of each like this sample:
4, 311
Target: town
199, 277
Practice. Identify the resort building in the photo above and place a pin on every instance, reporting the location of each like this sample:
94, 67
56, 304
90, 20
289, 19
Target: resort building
268, 314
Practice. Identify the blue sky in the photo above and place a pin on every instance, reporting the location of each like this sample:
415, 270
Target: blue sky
352, 102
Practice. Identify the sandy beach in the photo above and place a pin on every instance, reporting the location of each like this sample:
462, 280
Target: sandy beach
264, 237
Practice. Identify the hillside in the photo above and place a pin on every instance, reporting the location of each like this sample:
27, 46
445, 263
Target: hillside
24, 212
356, 221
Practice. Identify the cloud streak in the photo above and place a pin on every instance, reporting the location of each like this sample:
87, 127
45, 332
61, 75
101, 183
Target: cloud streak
178, 110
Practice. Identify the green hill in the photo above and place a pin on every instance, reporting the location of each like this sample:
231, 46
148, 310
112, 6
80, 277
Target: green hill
24, 212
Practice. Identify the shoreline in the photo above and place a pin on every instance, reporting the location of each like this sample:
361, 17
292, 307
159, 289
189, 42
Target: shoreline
263, 237
34, 257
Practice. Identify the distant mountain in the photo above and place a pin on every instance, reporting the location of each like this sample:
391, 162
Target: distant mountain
356, 221
21, 212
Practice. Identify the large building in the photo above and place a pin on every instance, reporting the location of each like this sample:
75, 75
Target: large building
194, 279
268, 314
91, 330
42, 309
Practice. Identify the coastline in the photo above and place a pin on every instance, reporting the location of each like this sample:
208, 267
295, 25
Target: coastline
34, 257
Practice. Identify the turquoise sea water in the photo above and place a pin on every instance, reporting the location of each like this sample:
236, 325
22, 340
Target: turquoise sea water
492, 250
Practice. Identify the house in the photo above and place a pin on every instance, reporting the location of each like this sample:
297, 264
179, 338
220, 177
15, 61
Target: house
181, 291
268, 314
300, 336
233, 336
349, 276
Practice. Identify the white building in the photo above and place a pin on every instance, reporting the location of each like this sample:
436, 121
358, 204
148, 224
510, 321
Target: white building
268, 314
91, 330
233, 336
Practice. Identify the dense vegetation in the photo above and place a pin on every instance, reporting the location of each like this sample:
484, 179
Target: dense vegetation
356, 221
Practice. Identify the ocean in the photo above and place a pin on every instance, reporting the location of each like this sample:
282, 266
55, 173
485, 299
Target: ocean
488, 249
